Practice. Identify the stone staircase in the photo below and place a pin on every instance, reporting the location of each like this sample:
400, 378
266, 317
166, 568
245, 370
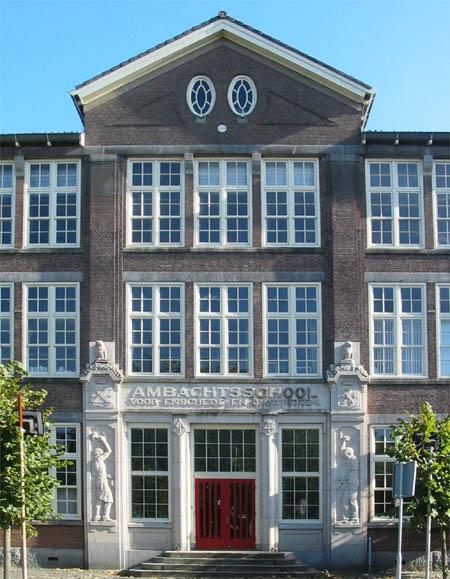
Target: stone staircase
232, 564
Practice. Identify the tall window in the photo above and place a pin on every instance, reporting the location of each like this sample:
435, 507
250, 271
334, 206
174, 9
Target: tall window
444, 329
6, 204
68, 503
398, 329
224, 450
53, 200
300, 466
293, 317
224, 330
149, 473
155, 329
291, 203
441, 189
6, 323
155, 203
223, 203
394, 204
51, 327
381, 471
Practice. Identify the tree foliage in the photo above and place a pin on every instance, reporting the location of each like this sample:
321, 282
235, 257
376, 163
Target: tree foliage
41, 457
426, 439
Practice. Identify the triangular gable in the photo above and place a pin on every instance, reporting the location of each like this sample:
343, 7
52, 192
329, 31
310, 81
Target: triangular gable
221, 26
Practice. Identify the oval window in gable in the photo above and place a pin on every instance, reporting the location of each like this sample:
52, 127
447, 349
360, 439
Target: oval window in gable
242, 95
200, 96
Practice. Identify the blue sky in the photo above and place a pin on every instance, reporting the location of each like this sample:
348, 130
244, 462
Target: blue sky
400, 47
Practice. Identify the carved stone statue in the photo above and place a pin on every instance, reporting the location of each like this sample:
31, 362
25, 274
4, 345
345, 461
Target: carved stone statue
350, 484
269, 426
101, 352
103, 498
347, 359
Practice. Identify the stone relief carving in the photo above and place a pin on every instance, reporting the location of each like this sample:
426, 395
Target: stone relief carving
349, 482
347, 358
179, 426
102, 396
349, 398
103, 481
269, 426
101, 351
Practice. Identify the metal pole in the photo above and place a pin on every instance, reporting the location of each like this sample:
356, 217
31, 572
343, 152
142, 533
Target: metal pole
400, 526
22, 489
428, 544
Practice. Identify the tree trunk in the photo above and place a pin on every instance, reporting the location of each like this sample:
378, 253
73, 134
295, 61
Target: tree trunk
7, 552
444, 553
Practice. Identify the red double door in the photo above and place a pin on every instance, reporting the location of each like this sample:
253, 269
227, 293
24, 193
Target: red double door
225, 513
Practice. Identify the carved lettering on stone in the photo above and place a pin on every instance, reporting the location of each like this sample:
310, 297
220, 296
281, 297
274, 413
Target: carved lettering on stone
269, 426
348, 482
103, 481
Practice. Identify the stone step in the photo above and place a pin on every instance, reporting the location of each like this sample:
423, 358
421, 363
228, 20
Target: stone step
219, 567
228, 554
231, 574
226, 561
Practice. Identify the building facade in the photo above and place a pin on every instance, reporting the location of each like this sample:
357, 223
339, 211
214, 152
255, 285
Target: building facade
231, 291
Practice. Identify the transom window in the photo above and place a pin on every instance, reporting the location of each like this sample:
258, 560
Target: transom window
7, 181
242, 95
69, 489
398, 330
443, 296
53, 201
441, 189
291, 203
149, 473
6, 323
201, 96
300, 466
223, 203
52, 329
224, 330
155, 203
394, 202
227, 450
155, 329
381, 470
292, 330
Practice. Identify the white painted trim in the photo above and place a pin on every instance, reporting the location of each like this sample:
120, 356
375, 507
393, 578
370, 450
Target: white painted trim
156, 316
230, 94
300, 522
52, 191
10, 191
223, 189
381, 458
436, 190
292, 316
394, 191
290, 189
155, 189
206, 34
439, 317
9, 316
397, 316
51, 316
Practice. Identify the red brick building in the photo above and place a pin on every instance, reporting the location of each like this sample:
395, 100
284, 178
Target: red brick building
231, 291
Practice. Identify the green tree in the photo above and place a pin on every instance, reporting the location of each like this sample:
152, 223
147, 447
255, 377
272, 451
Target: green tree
426, 439
40, 458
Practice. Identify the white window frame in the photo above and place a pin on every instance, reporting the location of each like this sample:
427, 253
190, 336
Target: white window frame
224, 316
394, 191
9, 191
397, 316
52, 191
168, 473
9, 316
212, 88
436, 190
223, 190
230, 94
299, 522
290, 189
156, 316
51, 317
439, 317
73, 457
292, 316
373, 459
155, 189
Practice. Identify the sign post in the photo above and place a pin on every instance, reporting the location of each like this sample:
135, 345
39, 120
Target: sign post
404, 486
22, 489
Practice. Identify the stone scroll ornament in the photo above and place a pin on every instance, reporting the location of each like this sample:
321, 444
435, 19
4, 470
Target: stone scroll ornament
350, 484
103, 494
